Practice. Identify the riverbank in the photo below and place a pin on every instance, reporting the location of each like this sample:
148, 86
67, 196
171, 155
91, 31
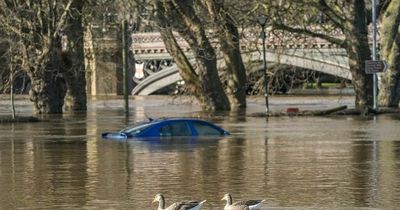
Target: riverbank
323, 91
18, 119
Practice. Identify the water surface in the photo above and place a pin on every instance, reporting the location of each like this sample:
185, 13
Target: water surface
345, 162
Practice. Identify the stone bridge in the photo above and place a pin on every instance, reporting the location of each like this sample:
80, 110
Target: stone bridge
156, 70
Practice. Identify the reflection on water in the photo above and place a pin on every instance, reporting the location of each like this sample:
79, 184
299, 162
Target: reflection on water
321, 162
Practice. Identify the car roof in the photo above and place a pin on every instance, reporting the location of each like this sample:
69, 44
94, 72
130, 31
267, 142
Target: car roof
176, 119
166, 120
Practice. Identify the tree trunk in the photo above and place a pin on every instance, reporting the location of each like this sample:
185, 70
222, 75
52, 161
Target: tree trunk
47, 83
215, 97
228, 37
389, 95
75, 99
47, 93
204, 82
356, 38
73, 59
236, 77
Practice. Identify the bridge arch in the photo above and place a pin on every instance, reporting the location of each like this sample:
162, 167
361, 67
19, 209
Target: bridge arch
329, 61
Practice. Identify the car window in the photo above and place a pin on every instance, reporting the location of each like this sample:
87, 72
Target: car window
206, 130
166, 130
175, 129
135, 129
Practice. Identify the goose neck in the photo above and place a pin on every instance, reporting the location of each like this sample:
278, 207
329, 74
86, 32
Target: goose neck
161, 203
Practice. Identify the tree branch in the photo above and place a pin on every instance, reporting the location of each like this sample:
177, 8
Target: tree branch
305, 31
337, 20
63, 19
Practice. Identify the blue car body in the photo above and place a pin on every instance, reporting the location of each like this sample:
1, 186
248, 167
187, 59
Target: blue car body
169, 127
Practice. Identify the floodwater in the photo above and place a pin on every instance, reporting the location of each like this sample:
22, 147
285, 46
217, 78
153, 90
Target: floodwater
346, 162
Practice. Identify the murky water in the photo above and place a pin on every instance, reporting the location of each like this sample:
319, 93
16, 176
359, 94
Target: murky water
293, 163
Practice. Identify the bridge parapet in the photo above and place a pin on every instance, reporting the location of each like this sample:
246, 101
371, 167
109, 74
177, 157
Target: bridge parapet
150, 45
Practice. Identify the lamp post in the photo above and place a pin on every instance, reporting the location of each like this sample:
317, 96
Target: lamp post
262, 20
125, 50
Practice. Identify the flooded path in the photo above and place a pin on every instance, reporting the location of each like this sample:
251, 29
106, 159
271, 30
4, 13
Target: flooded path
294, 163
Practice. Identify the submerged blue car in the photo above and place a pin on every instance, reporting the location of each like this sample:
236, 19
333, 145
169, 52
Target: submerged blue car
169, 127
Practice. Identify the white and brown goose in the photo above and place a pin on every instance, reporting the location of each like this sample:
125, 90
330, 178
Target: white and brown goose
183, 205
241, 205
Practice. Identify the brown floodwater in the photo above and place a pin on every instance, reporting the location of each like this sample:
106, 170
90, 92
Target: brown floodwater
346, 162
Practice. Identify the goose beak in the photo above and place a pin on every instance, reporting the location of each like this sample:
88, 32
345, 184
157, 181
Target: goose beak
155, 200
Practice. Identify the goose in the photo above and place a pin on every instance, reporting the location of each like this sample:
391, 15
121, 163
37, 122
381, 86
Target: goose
241, 205
184, 205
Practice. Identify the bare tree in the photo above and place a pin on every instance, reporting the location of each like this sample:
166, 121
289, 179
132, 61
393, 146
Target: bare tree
10, 57
324, 19
204, 81
38, 28
8, 71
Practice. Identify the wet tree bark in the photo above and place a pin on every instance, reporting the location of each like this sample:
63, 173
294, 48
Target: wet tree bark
229, 41
73, 60
389, 95
356, 38
47, 90
203, 81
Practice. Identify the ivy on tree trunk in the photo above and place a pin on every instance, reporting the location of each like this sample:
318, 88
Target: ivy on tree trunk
389, 91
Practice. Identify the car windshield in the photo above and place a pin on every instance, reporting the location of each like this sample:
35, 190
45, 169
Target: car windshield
135, 129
